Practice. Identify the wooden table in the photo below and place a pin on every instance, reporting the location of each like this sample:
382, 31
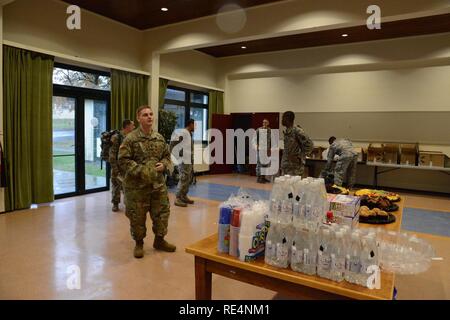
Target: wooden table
209, 261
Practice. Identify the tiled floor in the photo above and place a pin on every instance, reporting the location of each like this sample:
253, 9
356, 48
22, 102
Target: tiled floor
38, 247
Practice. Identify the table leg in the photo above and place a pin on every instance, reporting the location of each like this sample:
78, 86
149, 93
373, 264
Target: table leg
203, 280
375, 177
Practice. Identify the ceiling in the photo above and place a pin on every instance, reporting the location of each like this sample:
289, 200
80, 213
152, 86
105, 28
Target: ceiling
389, 30
145, 14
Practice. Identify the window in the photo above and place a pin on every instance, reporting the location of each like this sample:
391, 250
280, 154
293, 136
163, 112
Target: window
77, 77
189, 104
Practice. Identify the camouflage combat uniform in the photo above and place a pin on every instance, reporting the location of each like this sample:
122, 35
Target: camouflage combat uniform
345, 169
263, 144
186, 170
145, 188
116, 183
297, 145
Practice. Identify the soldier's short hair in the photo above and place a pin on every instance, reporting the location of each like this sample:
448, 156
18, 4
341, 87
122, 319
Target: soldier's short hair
139, 110
189, 122
331, 140
289, 115
126, 123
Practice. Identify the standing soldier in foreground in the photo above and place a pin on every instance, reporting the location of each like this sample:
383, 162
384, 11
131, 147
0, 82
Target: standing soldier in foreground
143, 157
186, 169
116, 141
297, 145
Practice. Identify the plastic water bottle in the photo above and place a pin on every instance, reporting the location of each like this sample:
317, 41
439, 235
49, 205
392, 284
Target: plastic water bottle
369, 257
353, 260
310, 253
283, 244
271, 244
299, 244
338, 258
324, 255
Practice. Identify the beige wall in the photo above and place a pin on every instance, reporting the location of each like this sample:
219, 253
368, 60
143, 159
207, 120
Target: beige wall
410, 74
190, 67
411, 89
42, 24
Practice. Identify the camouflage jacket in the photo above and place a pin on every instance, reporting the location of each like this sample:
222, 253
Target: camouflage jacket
138, 156
116, 141
297, 145
343, 148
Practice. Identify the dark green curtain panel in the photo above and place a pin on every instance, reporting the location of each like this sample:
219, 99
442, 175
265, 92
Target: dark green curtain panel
163, 83
129, 91
215, 104
27, 109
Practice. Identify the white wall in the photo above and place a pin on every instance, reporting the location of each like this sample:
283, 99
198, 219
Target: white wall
42, 24
411, 89
409, 74
190, 67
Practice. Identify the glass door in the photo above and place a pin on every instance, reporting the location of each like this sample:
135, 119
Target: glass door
95, 122
64, 154
79, 118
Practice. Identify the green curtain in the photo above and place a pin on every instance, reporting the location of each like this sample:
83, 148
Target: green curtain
129, 91
215, 104
163, 83
27, 110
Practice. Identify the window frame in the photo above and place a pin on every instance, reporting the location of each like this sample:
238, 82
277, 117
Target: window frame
187, 104
60, 65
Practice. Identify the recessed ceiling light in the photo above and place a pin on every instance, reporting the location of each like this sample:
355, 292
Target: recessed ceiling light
243, 47
164, 9
345, 35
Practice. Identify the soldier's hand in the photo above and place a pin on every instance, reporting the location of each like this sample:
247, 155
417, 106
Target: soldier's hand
160, 167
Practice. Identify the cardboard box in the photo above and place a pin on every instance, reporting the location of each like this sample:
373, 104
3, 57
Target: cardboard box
432, 159
360, 152
408, 154
375, 152
345, 206
317, 153
391, 153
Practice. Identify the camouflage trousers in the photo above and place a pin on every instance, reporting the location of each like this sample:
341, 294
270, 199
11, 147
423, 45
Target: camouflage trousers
116, 185
186, 171
259, 165
345, 170
297, 169
138, 202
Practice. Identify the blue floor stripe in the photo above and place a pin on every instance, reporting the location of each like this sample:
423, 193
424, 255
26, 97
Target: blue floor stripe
426, 221
415, 220
220, 192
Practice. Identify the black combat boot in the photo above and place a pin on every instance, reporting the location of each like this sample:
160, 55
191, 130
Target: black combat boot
139, 249
115, 207
187, 200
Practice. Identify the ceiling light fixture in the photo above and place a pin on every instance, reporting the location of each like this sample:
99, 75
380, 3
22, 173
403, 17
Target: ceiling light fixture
345, 35
164, 9
243, 47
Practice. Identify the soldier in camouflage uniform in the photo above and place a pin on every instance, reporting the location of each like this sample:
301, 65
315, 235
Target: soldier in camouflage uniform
345, 169
297, 145
143, 158
116, 141
262, 142
186, 169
